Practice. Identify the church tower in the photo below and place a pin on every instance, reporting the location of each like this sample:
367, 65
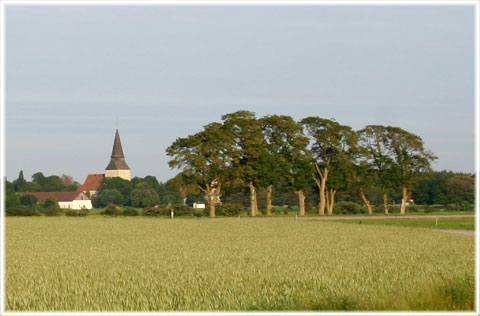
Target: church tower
117, 166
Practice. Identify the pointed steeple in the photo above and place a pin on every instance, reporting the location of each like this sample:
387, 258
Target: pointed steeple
117, 151
117, 161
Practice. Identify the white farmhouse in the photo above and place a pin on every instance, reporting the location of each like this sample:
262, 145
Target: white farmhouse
75, 200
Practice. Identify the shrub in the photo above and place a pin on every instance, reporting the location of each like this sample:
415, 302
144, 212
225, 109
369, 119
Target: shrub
452, 207
155, 211
130, 211
83, 212
229, 209
277, 210
112, 210
467, 207
427, 208
183, 210
71, 213
21, 211
50, 201
345, 207
28, 200
52, 210
413, 209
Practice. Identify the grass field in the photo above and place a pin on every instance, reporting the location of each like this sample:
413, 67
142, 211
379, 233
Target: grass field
145, 264
467, 223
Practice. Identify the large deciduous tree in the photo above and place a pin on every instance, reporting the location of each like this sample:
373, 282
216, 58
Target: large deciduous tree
332, 146
411, 159
246, 152
289, 158
203, 159
375, 157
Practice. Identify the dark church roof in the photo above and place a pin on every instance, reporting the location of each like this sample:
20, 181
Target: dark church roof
117, 161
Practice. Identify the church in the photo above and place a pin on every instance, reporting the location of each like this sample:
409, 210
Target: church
81, 199
116, 168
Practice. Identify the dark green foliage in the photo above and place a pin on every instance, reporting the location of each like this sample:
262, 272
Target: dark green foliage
143, 195
20, 184
414, 209
182, 210
155, 211
130, 211
21, 211
434, 190
344, 207
227, 209
50, 201
33, 187
461, 189
12, 199
52, 210
194, 198
71, 213
169, 194
28, 200
108, 196
81, 213
112, 210
124, 187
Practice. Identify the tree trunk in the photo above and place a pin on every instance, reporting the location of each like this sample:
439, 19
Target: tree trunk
253, 199
366, 201
404, 200
213, 193
269, 199
212, 209
385, 202
301, 202
321, 184
330, 201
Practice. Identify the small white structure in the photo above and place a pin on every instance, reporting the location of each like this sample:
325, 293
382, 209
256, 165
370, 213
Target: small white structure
75, 200
199, 205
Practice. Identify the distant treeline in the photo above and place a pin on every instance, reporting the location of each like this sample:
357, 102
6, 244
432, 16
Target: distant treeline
450, 190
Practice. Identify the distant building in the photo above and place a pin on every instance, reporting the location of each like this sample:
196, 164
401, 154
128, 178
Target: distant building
198, 205
73, 200
117, 166
91, 184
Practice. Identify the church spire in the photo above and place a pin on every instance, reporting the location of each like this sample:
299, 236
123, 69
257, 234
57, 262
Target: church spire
117, 151
117, 166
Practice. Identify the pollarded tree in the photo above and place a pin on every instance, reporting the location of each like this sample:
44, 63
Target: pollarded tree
203, 159
375, 156
411, 158
364, 182
248, 147
286, 146
332, 146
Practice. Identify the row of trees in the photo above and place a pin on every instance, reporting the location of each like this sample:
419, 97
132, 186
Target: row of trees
277, 151
42, 183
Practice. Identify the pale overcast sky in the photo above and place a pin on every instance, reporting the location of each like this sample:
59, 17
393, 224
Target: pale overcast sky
166, 71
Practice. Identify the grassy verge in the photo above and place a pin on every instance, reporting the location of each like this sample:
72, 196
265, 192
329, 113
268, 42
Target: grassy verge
440, 223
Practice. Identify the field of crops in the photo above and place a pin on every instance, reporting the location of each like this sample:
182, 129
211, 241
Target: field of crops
145, 264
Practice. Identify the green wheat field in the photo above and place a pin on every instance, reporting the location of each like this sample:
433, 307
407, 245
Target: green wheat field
145, 264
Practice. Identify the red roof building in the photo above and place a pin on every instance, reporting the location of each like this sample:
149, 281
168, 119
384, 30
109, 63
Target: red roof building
92, 183
70, 199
